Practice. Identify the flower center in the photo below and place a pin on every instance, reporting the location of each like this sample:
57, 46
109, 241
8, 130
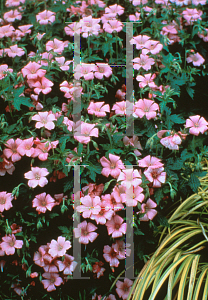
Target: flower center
117, 226
11, 244
28, 147
60, 247
196, 125
52, 280
37, 176
112, 166
43, 203
2, 201
154, 174
101, 70
44, 121
125, 288
85, 232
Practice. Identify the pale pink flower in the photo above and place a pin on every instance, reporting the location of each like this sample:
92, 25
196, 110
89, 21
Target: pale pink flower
84, 70
10, 3
203, 35
154, 47
87, 130
45, 17
42, 148
89, 26
6, 166
156, 176
63, 65
44, 120
4, 70
145, 80
10, 243
180, 2
147, 108
43, 202
123, 288
107, 17
191, 15
90, 206
122, 249
104, 214
42, 254
113, 25
116, 9
196, 59
26, 147
12, 15
144, 62
139, 41
59, 247
11, 150
37, 177
134, 141
44, 86
101, 70
14, 51
197, 2
6, 30
171, 142
56, 46
133, 196
148, 209
135, 17
52, 280
25, 29
139, 2
116, 227
120, 107
111, 255
32, 70
85, 232
67, 265
130, 177
197, 124
5, 201
112, 167
46, 56
98, 108
150, 161
73, 28
113, 201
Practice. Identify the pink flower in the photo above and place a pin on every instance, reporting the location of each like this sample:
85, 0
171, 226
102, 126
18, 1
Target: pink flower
89, 26
130, 177
113, 200
147, 208
52, 280
85, 232
32, 70
26, 147
116, 9
37, 177
73, 28
56, 46
12, 15
123, 288
171, 142
4, 70
43, 202
149, 161
59, 247
6, 166
14, 51
116, 227
5, 201
98, 109
157, 176
11, 150
134, 141
87, 130
42, 148
112, 167
96, 268
140, 41
102, 70
44, 86
133, 196
121, 248
67, 265
90, 206
10, 243
120, 108
196, 59
112, 25
153, 47
147, 108
6, 30
104, 214
145, 80
144, 62
111, 256
84, 70
44, 120
64, 66
191, 15
45, 17
197, 124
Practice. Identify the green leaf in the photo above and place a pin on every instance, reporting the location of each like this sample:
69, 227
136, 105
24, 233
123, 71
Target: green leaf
177, 119
107, 185
162, 220
194, 182
20, 100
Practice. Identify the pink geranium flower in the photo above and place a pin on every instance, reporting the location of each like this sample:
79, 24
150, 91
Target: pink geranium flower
59, 247
147, 108
44, 86
10, 243
96, 268
116, 9
45, 17
120, 108
44, 120
73, 28
148, 209
145, 80
63, 65
87, 130
154, 47
196, 59
133, 196
130, 177
102, 69
89, 26
134, 142
52, 280
123, 288
171, 142
111, 256
112, 25
122, 249
32, 70
150, 161
113, 201
191, 15
84, 70
197, 124
112, 167
67, 265
139, 41
144, 61
37, 177
5, 201
26, 147
42, 202
90, 206
85, 232
116, 227
156, 176
14, 50
11, 150
56, 46
12, 15
104, 214
6, 30
4, 70
98, 109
